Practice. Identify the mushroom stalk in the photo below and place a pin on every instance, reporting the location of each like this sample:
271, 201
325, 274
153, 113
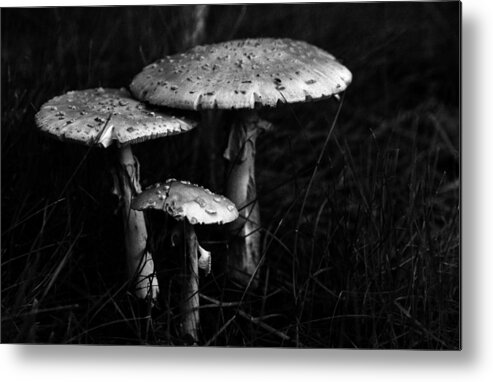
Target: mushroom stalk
191, 204
190, 304
241, 190
194, 34
139, 260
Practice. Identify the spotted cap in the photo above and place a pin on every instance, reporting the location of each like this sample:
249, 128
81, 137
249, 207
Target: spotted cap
102, 116
242, 74
182, 200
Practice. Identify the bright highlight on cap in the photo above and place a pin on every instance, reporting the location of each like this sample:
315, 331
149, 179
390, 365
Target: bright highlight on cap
101, 116
242, 74
184, 200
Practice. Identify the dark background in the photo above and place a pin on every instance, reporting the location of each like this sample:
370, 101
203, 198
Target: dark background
376, 262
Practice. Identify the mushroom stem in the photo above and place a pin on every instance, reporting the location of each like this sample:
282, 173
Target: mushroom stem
194, 33
139, 261
241, 190
190, 304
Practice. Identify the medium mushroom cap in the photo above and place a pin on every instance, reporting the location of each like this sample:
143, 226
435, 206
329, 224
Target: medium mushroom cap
242, 74
102, 116
185, 200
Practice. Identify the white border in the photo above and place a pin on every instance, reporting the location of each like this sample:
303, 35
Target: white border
474, 363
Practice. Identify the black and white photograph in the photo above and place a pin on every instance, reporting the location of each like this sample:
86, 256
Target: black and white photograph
236, 175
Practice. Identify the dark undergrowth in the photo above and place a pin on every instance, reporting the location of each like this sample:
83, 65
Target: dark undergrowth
360, 240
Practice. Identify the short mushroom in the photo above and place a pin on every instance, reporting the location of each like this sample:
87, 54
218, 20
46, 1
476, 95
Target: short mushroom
191, 204
101, 117
243, 74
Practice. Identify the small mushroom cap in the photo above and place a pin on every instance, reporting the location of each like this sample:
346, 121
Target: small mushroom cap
185, 200
82, 116
242, 74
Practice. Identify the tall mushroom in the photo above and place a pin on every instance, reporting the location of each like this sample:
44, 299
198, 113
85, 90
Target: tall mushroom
191, 204
101, 117
243, 74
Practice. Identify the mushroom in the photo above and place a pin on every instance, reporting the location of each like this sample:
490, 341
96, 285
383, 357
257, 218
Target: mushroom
191, 204
100, 117
243, 74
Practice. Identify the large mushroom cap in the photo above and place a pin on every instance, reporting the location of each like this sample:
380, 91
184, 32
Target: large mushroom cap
185, 200
82, 116
242, 74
